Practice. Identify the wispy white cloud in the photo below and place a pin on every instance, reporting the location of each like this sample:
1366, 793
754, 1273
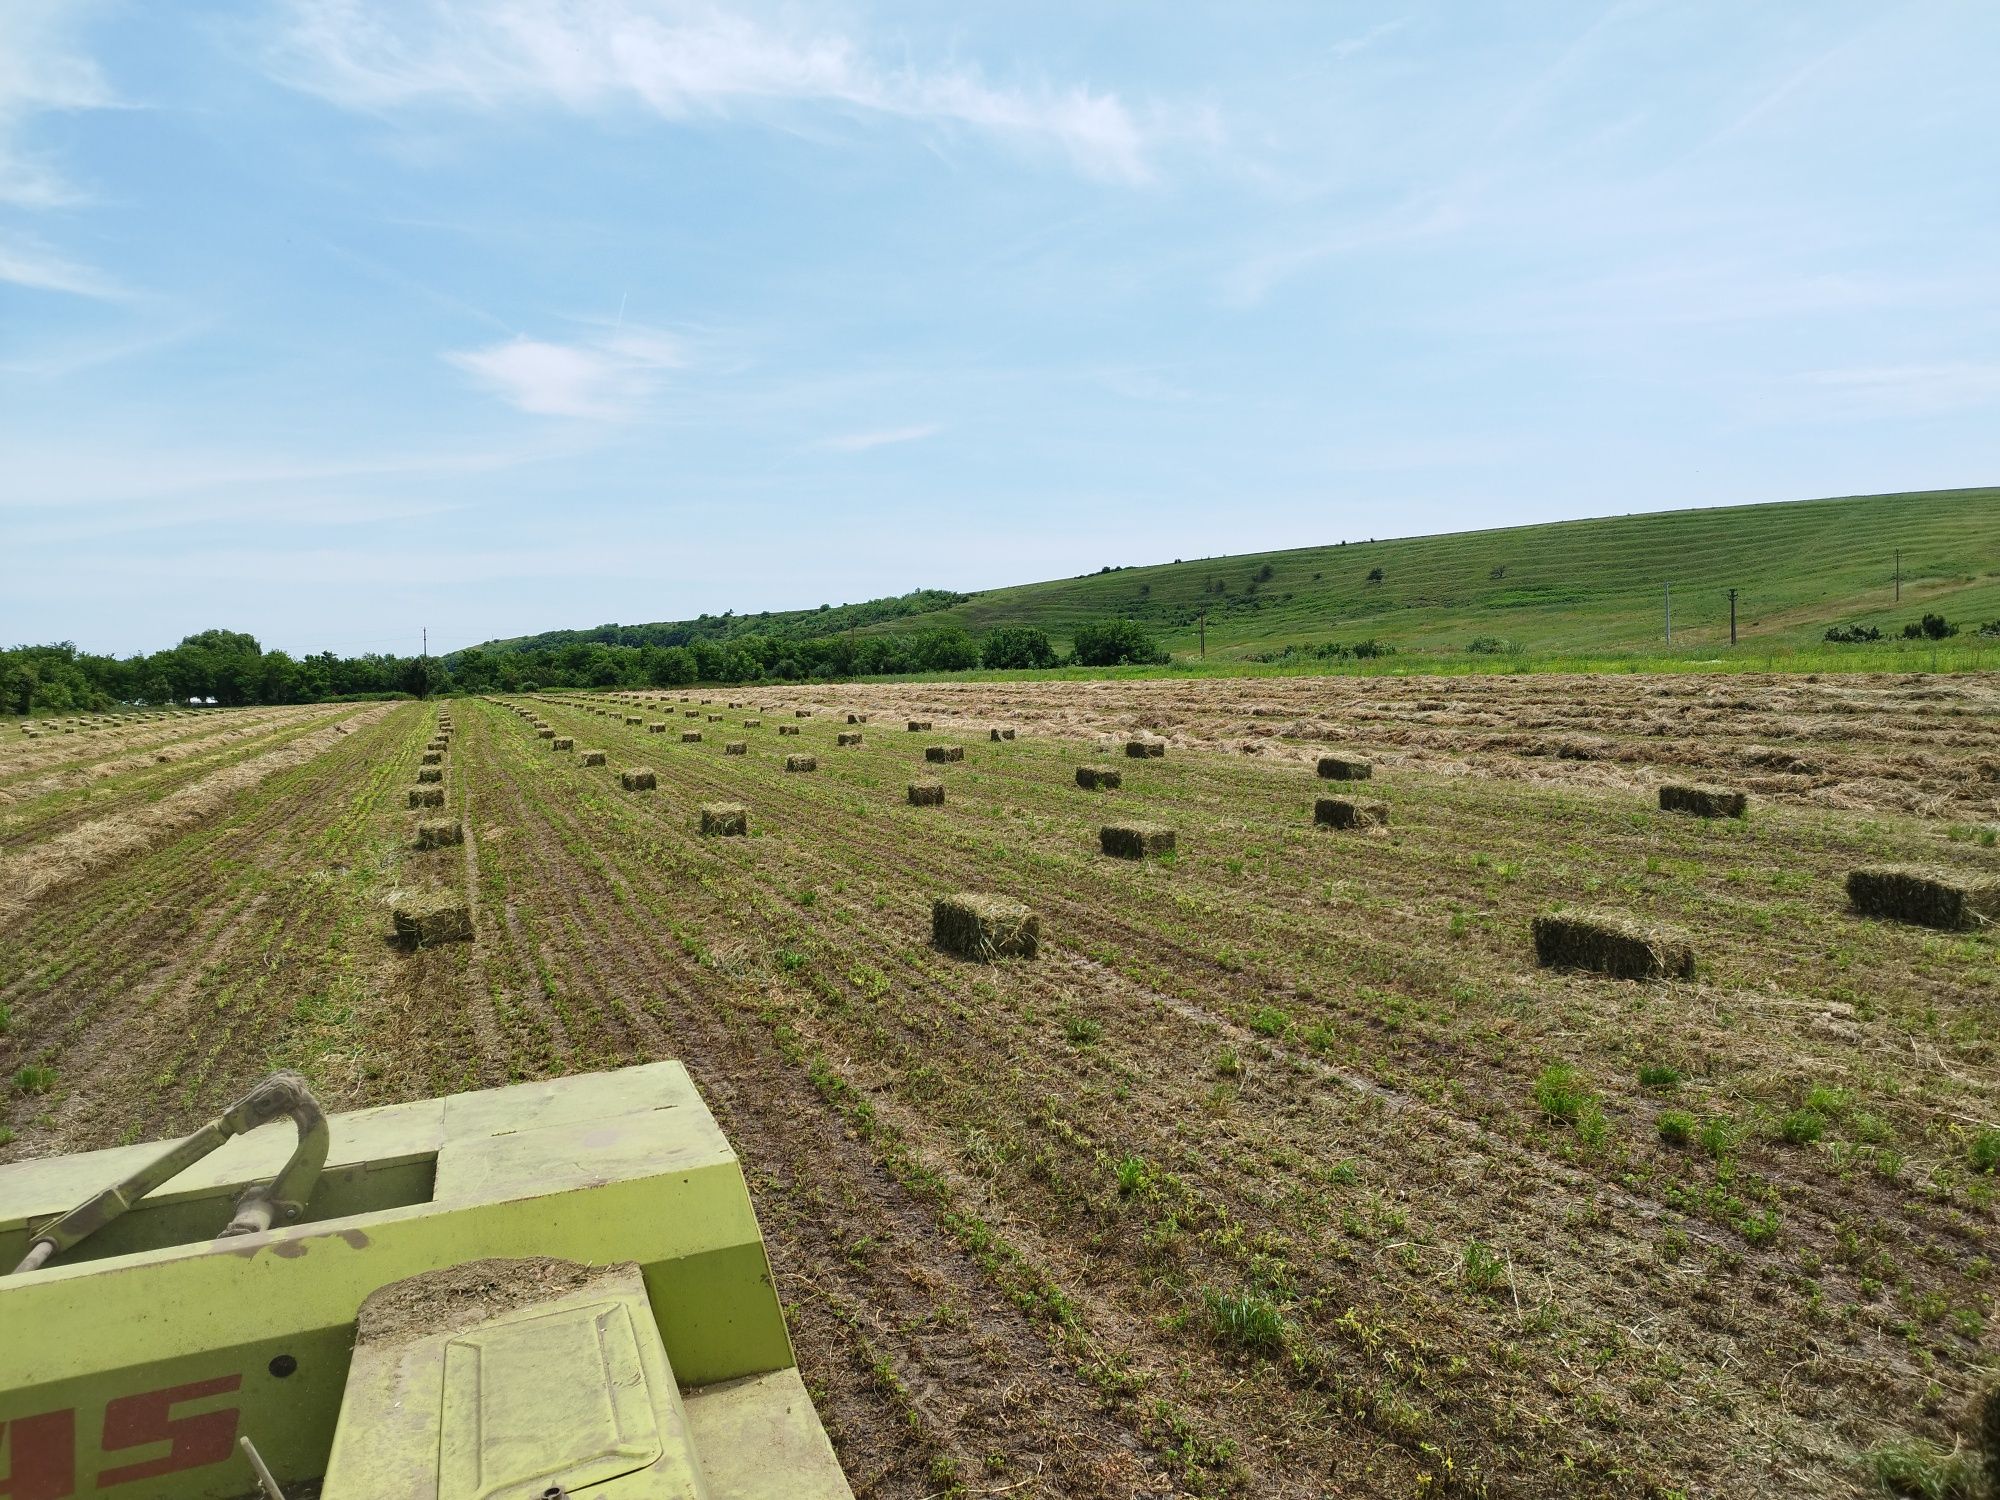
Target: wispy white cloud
861, 442
29, 263
676, 58
606, 378
41, 69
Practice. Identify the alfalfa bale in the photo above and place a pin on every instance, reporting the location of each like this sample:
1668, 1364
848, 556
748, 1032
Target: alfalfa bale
1338, 812
593, 757
427, 796
1703, 801
1617, 946
939, 755
801, 763
1099, 778
545, 733
432, 758
848, 738
788, 729
438, 742
690, 736
1345, 768
1000, 733
920, 726
638, 779
634, 720
736, 747
436, 833
562, 742
984, 928
857, 718
429, 774
692, 713
1927, 896
802, 713
753, 723
1146, 747
656, 727
1136, 840
715, 718
423, 919
927, 794
725, 819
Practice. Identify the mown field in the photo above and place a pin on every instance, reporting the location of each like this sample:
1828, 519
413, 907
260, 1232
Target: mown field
1281, 1170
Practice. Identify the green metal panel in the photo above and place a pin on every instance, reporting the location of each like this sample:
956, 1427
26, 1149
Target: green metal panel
155, 1358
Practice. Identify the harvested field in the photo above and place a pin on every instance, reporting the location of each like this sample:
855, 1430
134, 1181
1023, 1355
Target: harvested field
1282, 1169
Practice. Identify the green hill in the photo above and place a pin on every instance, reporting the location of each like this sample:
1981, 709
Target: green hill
1567, 587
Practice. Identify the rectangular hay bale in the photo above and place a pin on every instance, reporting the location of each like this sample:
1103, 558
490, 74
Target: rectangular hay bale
690, 736
428, 774
857, 718
437, 833
638, 779
1611, 945
919, 726
725, 819
801, 763
1927, 896
943, 754
1345, 768
736, 747
1136, 840
1099, 778
1146, 747
788, 729
853, 738
656, 728
1338, 812
426, 918
1703, 801
753, 723
1000, 734
427, 796
432, 758
562, 742
593, 757
927, 794
984, 928
545, 733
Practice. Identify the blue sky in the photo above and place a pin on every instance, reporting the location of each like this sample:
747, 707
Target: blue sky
333, 319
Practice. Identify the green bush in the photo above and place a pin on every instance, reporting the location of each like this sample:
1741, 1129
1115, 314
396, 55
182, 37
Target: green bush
1113, 643
1015, 647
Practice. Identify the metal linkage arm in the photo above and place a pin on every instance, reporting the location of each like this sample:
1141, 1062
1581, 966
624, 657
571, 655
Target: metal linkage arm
283, 1198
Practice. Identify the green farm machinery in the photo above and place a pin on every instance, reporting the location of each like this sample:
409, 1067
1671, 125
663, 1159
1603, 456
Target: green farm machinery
548, 1290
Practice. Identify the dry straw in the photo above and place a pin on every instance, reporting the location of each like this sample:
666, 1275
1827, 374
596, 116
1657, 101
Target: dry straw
638, 779
423, 919
1612, 945
736, 747
984, 927
927, 794
801, 763
435, 834
1924, 895
1703, 801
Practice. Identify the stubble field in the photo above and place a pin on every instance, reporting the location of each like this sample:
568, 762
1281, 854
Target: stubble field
1283, 1169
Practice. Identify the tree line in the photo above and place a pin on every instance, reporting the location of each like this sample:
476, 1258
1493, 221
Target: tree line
231, 668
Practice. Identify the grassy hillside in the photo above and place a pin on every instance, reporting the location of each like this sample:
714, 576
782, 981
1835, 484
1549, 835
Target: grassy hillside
1572, 586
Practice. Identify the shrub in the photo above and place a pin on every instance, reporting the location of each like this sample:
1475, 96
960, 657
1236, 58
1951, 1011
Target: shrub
1376, 575
1111, 643
1985, 1150
1930, 627
1846, 635
1490, 645
1016, 647
1365, 649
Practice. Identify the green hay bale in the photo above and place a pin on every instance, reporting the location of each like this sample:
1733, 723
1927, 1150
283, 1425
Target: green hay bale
1146, 747
801, 763
1703, 801
943, 754
433, 758
1000, 734
1612, 945
423, 919
436, 834
920, 726
634, 720
428, 774
927, 794
1338, 812
753, 723
1342, 768
1099, 778
562, 742
593, 757
984, 928
1924, 895
1136, 840
736, 747
545, 733
690, 736
693, 713
656, 728
848, 739
438, 744
725, 820
638, 779
788, 729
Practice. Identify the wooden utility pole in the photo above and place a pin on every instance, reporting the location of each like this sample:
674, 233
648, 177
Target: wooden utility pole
1670, 612
1732, 617
1899, 575
1204, 635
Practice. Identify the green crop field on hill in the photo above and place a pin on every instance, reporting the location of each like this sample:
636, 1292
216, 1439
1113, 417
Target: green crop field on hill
1566, 587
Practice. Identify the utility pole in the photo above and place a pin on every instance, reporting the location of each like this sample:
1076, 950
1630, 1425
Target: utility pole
1670, 612
1204, 635
1732, 617
1899, 575
425, 679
